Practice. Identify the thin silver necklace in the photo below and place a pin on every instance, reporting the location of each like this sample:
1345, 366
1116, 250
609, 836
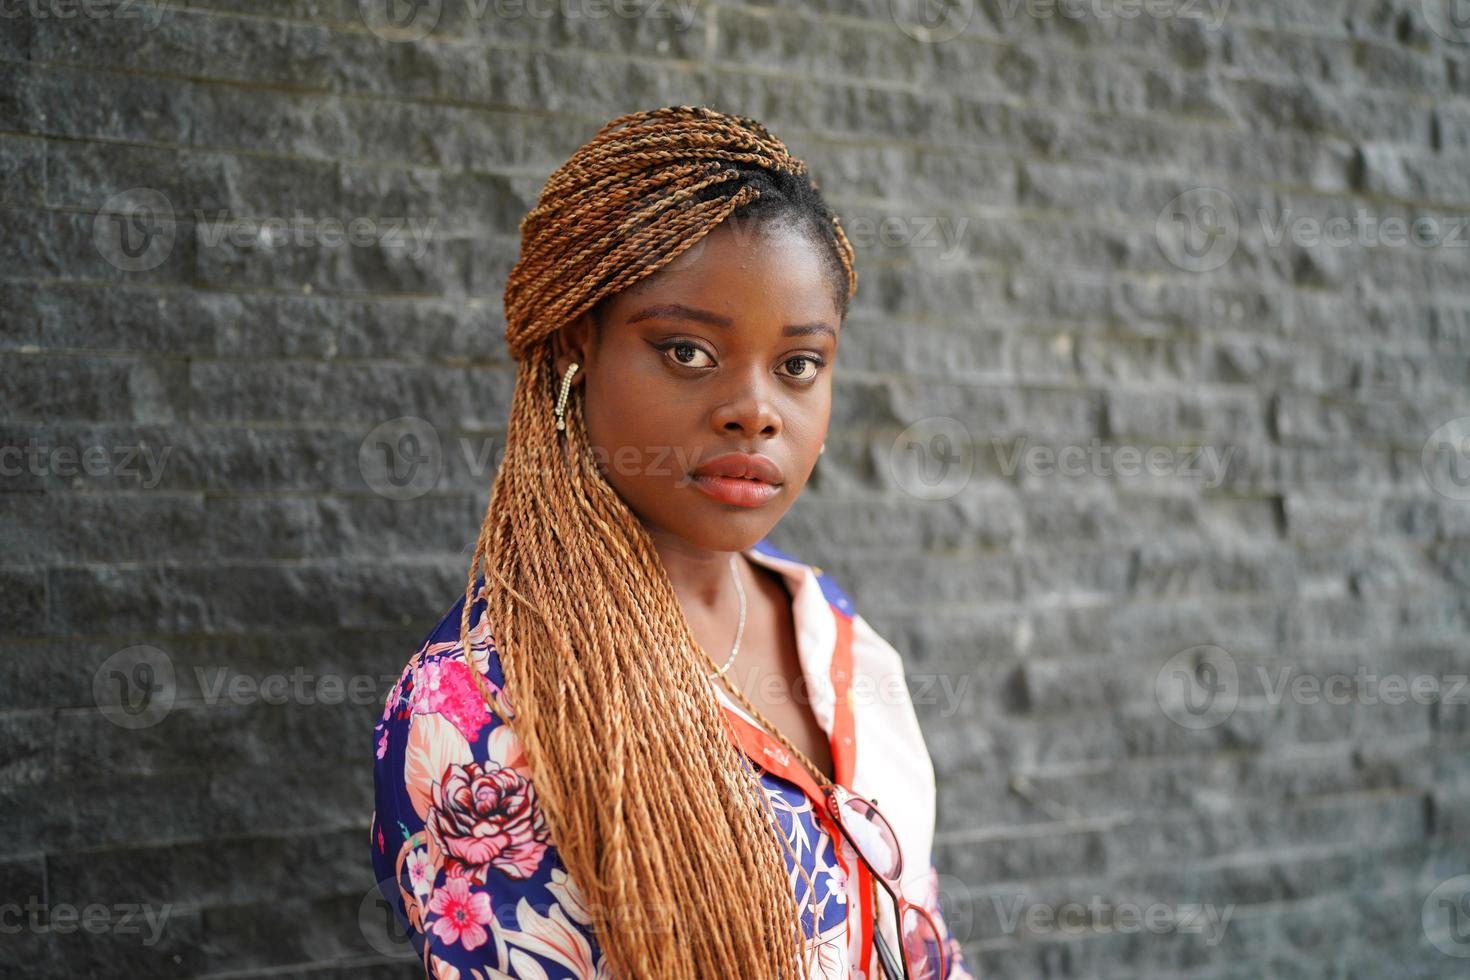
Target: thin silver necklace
740, 629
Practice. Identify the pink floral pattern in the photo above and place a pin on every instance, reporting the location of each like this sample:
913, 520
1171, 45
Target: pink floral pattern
462, 916
486, 816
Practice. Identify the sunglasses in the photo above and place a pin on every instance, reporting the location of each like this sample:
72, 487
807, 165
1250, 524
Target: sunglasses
877, 845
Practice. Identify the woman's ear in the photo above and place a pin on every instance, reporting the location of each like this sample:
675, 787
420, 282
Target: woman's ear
575, 342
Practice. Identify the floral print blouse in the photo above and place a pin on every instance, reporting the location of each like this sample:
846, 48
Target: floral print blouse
461, 852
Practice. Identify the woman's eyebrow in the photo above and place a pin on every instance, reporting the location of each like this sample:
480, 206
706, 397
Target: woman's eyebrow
678, 311
805, 329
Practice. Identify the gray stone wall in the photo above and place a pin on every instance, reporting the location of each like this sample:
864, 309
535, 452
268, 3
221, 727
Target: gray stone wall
1151, 450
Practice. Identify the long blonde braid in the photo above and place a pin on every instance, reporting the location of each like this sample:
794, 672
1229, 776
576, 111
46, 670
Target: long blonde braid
656, 815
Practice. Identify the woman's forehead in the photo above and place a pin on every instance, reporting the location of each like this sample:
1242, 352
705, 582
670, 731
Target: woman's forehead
777, 255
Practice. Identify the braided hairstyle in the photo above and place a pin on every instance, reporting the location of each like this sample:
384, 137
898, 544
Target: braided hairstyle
659, 819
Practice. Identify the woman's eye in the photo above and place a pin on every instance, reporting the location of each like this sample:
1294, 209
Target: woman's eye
808, 367
685, 355
803, 367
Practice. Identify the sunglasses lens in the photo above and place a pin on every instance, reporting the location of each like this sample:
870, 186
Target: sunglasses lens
873, 835
922, 945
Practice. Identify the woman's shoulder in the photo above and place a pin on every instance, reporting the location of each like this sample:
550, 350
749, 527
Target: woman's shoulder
460, 846
443, 639
438, 686
835, 595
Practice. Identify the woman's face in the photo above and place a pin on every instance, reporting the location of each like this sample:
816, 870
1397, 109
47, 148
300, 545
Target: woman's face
729, 348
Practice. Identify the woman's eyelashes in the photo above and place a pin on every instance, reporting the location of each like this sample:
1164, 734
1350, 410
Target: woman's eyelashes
684, 354
815, 362
676, 351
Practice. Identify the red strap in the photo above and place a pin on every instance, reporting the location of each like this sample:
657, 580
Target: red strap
844, 733
844, 758
769, 754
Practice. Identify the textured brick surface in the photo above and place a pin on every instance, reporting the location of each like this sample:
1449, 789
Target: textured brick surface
1091, 236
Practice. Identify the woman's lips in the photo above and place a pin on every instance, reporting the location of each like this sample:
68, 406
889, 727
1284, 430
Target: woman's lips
735, 490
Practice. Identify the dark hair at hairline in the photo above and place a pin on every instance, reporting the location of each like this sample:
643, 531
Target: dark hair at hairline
782, 197
796, 198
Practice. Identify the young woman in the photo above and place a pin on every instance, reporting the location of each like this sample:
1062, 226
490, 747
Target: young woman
646, 743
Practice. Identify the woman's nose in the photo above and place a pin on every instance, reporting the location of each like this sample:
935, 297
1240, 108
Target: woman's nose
748, 411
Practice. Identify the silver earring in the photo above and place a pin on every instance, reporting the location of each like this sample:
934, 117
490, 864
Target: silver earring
822, 450
561, 401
